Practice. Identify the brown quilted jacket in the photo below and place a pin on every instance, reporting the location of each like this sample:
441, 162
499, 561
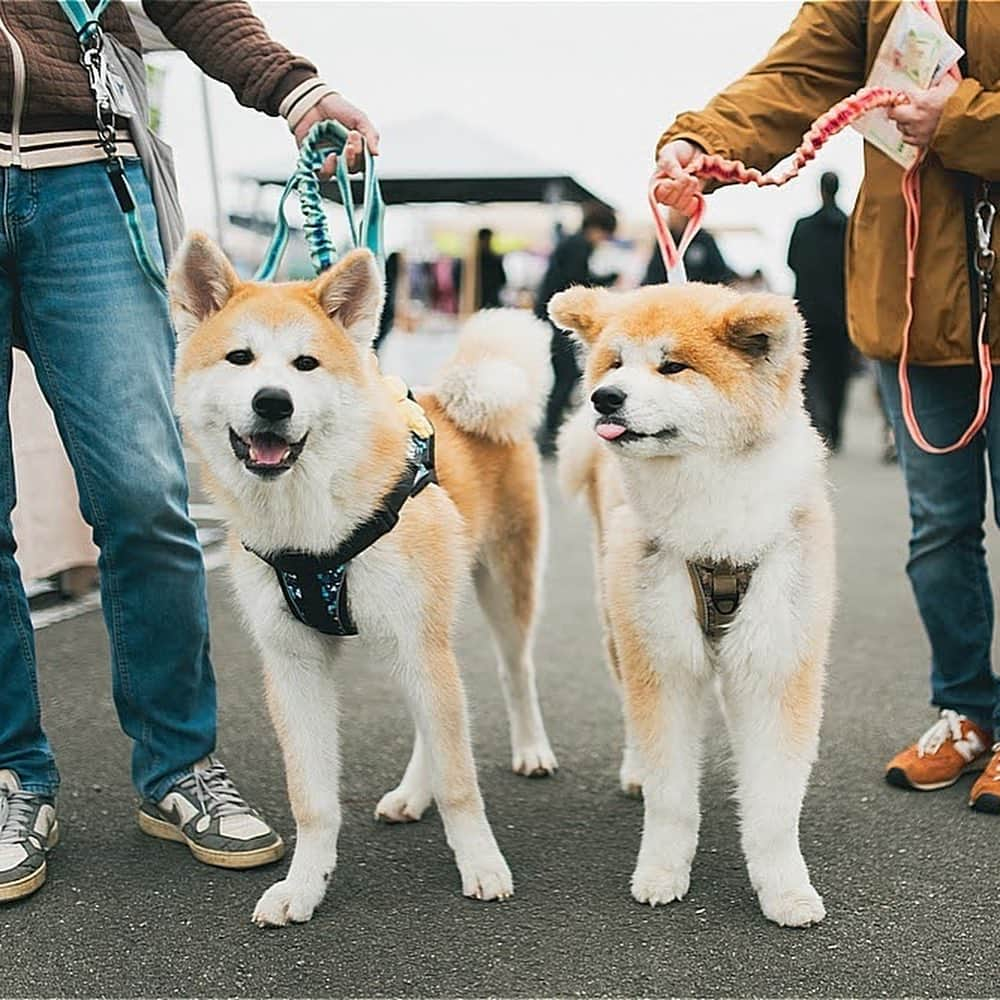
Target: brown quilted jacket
223, 37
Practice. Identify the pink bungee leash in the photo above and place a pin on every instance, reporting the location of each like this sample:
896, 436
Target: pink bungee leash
824, 128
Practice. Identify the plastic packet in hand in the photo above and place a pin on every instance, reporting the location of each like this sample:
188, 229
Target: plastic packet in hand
914, 55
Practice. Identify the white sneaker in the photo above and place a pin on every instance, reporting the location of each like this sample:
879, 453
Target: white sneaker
206, 811
28, 831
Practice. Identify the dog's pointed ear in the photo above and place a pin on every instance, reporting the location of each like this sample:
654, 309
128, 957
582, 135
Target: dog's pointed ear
201, 282
350, 292
580, 311
764, 326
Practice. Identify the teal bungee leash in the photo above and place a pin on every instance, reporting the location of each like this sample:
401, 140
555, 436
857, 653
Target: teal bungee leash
324, 138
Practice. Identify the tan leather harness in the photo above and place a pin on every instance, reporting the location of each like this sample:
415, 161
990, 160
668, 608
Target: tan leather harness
719, 589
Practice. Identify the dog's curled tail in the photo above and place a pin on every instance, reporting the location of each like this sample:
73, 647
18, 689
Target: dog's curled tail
496, 384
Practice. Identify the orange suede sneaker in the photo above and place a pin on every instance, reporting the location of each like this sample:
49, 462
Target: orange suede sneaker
953, 746
985, 794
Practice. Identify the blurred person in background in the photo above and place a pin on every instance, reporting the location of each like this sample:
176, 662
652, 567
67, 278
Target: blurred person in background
816, 257
823, 57
570, 265
394, 265
703, 260
100, 338
490, 274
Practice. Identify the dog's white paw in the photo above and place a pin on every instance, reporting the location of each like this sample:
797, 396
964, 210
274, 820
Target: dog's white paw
486, 876
659, 884
288, 902
798, 907
630, 776
402, 805
534, 760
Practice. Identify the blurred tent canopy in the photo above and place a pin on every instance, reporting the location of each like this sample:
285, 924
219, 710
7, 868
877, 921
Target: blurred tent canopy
437, 158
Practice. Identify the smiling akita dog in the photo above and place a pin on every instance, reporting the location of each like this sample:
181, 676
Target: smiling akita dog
302, 442
715, 560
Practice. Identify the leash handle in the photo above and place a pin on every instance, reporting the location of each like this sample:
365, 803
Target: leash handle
324, 138
719, 168
672, 253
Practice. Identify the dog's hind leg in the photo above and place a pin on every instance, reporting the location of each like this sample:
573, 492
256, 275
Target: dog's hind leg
302, 701
630, 774
774, 730
437, 700
507, 585
409, 800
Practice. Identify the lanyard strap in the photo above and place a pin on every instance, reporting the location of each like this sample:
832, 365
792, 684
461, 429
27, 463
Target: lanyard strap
326, 137
82, 16
85, 21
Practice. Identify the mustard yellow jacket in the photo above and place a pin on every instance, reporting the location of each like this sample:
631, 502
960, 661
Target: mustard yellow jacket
824, 56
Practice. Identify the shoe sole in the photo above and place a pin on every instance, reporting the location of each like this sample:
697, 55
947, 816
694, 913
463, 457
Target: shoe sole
218, 859
33, 882
897, 777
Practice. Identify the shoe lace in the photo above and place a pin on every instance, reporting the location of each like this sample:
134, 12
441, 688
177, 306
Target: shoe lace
948, 726
214, 789
16, 810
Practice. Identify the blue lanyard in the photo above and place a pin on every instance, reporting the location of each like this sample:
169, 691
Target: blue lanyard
82, 16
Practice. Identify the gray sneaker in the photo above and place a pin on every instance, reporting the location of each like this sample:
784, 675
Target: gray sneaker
28, 831
206, 811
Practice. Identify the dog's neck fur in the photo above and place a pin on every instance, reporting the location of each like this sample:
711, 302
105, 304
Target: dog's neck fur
317, 505
735, 506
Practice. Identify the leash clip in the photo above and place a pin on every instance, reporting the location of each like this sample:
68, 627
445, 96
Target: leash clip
986, 256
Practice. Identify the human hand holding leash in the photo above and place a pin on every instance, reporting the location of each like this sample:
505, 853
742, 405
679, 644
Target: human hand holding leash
679, 188
339, 109
917, 119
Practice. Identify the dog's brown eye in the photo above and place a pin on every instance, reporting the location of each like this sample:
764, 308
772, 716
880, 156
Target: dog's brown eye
305, 363
672, 367
617, 363
240, 357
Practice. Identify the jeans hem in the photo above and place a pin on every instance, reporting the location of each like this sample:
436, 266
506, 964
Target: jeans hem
163, 786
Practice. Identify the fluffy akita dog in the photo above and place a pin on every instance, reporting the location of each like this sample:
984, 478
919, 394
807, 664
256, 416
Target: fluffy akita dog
279, 392
715, 560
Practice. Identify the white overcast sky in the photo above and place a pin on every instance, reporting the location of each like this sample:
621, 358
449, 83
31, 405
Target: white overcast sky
584, 87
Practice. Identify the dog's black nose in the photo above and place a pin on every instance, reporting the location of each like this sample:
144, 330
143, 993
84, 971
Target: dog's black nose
272, 403
608, 398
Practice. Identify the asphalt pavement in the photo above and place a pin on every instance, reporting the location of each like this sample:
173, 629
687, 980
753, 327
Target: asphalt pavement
911, 882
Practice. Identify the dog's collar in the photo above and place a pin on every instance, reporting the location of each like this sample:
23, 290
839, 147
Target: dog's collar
719, 589
315, 584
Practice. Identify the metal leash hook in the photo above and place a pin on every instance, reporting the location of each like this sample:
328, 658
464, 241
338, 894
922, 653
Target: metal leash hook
986, 256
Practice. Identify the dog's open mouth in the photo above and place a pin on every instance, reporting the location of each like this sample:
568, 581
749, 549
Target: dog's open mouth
266, 454
615, 432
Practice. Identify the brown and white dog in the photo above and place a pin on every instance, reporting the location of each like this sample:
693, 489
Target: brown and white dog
696, 449
301, 476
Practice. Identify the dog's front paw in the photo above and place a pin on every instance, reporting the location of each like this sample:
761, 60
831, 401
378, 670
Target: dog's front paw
798, 907
658, 884
486, 876
630, 775
288, 902
535, 760
402, 805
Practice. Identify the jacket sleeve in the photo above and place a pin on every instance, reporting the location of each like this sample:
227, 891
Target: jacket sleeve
968, 134
226, 40
761, 117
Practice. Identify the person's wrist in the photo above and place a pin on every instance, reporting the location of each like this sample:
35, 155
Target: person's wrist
299, 101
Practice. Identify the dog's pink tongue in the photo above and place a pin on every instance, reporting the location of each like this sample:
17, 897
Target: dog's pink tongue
610, 431
267, 452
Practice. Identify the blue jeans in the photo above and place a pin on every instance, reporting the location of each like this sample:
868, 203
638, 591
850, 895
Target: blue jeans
947, 565
100, 340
